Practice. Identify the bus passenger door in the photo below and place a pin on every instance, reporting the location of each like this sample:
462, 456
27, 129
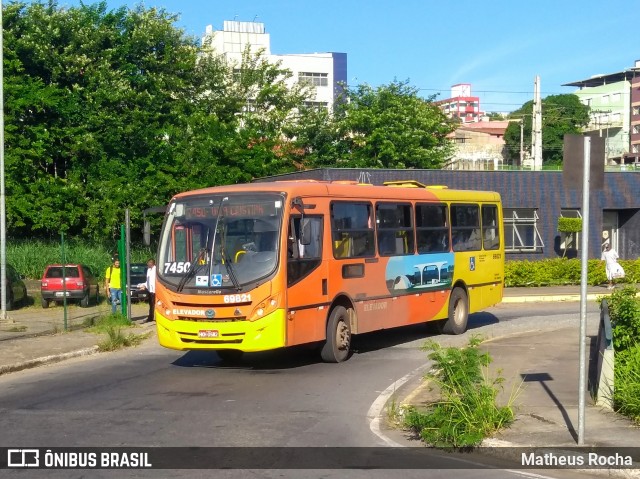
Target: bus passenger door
306, 281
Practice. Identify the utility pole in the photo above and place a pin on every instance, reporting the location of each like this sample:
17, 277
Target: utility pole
521, 142
536, 131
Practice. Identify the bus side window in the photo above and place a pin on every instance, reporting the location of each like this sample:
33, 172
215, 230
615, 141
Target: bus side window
303, 258
352, 230
491, 237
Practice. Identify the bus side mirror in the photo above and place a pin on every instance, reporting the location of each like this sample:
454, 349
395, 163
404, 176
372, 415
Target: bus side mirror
305, 231
146, 232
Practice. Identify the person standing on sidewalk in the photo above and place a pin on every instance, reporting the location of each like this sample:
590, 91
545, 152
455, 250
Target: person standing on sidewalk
614, 270
112, 285
150, 286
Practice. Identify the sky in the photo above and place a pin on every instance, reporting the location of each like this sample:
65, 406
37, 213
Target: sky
496, 46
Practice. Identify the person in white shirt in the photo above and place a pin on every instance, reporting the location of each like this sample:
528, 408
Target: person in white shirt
150, 286
614, 270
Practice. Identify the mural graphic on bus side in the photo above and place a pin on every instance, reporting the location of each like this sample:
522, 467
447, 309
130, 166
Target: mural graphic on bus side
407, 274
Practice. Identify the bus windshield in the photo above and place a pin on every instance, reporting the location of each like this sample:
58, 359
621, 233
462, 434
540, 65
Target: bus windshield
220, 241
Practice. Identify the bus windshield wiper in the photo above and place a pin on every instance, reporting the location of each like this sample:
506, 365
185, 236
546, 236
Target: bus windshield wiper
230, 270
195, 266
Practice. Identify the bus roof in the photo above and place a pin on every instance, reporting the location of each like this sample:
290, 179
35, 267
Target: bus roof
406, 190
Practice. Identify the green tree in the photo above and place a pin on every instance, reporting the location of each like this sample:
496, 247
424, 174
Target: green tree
495, 116
113, 109
392, 127
385, 127
561, 114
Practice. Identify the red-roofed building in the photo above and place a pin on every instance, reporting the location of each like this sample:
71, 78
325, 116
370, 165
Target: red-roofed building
479, 146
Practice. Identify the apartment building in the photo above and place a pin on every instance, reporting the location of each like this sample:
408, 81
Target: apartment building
612, 108
327, 72
462, 104
634, 147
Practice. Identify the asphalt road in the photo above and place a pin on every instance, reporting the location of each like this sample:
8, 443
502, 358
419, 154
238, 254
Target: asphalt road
150, 396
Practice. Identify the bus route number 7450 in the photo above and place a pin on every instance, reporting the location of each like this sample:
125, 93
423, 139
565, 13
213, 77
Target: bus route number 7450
178, 267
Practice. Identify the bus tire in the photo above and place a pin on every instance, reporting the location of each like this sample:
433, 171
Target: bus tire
456, 323
338, 344
229, 355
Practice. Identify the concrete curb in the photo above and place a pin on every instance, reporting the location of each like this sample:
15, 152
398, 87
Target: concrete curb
53, 358
549, 298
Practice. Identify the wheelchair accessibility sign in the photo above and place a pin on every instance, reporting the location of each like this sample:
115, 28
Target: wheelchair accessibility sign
472, 263
216, 280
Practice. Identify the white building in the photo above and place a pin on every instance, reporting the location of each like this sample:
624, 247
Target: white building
326, 71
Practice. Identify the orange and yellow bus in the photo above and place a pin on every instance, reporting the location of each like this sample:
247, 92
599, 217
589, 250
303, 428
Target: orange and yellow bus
261, 266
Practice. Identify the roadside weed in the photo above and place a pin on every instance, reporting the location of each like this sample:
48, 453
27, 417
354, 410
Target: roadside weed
466, 411
116, 339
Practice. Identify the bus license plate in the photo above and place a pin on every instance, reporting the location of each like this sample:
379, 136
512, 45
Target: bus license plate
207, 333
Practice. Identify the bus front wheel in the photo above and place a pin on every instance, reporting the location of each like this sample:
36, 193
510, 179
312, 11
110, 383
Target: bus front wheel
456, 323
336, 348
230, 355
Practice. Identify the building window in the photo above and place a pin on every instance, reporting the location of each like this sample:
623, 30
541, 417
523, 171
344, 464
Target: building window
615, 97
315, 79
570, 241
636, 110
635, 148
521, 230
605, 99
315, 104
636, 129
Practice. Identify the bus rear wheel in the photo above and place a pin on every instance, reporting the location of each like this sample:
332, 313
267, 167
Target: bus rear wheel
456, 323
338, 345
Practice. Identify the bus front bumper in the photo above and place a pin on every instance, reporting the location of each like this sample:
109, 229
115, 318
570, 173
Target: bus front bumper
249, 336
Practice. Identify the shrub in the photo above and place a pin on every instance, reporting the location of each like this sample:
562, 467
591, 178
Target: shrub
467, 411
561, 271
569, 225
626, 393
624, 310
32, 256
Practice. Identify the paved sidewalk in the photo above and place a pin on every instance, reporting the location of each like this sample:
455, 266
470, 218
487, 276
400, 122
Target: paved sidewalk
33, 336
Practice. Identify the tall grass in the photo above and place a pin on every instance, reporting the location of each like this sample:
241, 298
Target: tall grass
626, 394
466, 412
30, 257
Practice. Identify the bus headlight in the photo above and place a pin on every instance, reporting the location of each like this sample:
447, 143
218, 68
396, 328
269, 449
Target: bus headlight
265, 307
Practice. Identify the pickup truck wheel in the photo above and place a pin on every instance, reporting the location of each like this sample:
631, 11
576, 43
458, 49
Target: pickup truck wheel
44, 302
